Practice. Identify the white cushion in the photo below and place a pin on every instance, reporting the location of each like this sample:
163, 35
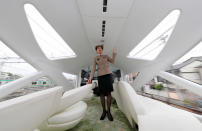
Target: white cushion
73, 96
61, 127
72, 113
89, 96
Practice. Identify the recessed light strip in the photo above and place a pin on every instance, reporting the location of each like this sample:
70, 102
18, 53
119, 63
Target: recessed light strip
104, 5
103, 28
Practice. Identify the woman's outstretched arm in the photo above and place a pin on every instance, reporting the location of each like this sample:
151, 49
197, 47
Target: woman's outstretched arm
92, 71
113, 56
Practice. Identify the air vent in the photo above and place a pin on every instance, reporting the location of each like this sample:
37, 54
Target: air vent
103, 28
104, 5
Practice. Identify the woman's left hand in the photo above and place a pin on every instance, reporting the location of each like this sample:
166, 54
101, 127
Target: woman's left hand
114, 51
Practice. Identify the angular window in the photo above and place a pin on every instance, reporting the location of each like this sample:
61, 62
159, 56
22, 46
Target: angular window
163, 90
50, 42
12, 66
195, 52
40, 84
71, 78
150, 47
189, 66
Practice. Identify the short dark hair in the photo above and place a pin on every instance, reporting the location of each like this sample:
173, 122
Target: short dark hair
99, 46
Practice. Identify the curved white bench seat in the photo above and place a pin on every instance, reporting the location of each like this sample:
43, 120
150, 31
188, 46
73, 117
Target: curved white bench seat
69, 110
66, 119
27, 112
152, 115
89, 96
73, 96
72, 113
166, 118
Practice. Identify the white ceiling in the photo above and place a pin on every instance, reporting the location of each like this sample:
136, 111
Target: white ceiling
79, 23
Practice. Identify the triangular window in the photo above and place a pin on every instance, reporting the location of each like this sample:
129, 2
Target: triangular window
50, 42
150, 47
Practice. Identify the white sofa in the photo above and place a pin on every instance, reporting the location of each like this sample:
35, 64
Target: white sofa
48, 109
27, 112
70, 110
152, 115
66, 119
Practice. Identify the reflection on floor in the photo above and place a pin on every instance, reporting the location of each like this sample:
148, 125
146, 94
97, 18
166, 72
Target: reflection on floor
92, 122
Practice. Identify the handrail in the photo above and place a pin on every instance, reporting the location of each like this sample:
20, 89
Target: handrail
167, 100
183, 83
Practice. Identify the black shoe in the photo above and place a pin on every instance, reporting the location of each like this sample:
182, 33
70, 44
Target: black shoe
103, 115
109, 115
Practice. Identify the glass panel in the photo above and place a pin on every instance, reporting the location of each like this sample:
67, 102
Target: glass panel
165, 91
195, 52
38, 85
50, 42
12, 67
71, 78
154, 42
190, 70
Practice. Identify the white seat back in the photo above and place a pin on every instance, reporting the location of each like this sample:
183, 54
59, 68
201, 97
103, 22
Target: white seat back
73, 96
128, 101
26, 113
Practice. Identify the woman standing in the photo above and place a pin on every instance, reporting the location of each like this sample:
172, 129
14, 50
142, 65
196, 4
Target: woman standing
105, 80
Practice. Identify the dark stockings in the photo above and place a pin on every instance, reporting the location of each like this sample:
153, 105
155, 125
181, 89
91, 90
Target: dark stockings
109, 115
102, 98
109, 97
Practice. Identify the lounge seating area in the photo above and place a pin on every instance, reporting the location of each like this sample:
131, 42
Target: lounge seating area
66, 119
53, 110
152, 115
45, 110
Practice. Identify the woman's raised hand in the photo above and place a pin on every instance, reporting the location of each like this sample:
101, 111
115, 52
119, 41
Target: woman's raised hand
114, 51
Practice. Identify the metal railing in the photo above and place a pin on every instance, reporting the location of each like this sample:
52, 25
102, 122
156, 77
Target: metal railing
171, 101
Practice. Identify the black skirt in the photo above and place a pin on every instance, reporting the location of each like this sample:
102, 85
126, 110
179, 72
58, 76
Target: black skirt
105, 84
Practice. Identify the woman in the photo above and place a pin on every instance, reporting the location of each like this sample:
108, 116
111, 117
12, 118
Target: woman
105, 82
